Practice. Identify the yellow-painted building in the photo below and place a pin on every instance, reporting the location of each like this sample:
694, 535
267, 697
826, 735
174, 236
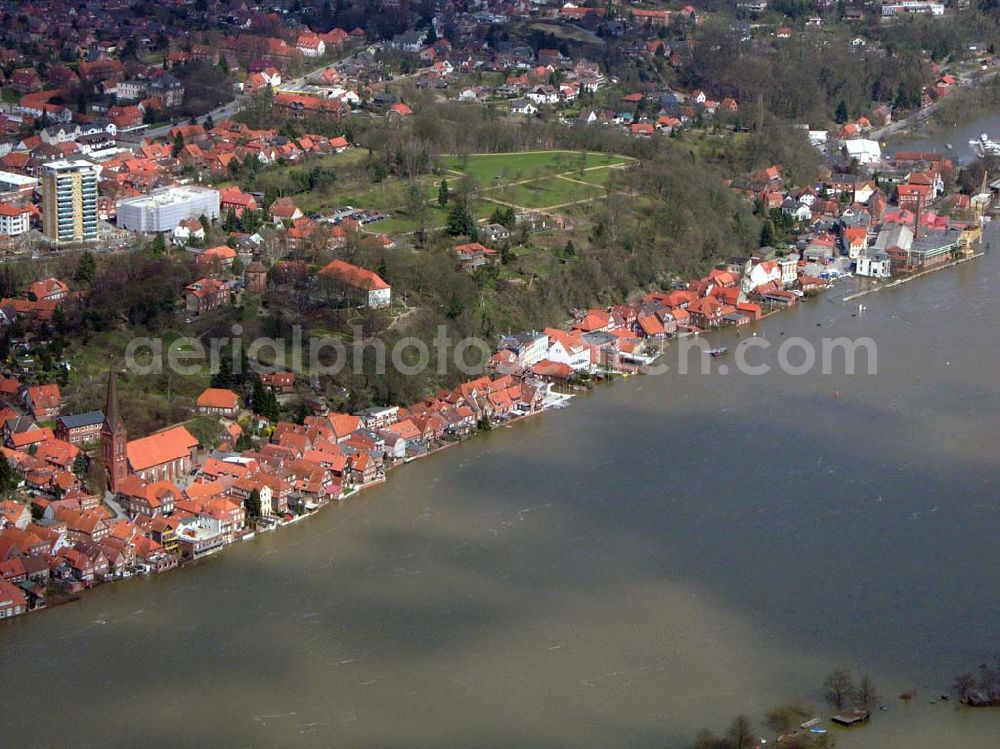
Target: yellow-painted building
69, 201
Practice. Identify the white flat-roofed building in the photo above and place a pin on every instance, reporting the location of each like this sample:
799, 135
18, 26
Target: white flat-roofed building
889, 10
163, 210
865, 151
12, 182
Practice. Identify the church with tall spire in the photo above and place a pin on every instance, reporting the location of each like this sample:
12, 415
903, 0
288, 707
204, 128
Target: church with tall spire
114, 438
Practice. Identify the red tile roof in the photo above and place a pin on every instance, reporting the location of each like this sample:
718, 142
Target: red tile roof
218, 398
160, 448
352, 275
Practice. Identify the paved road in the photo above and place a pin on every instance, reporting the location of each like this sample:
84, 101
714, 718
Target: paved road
231, 108
220, 113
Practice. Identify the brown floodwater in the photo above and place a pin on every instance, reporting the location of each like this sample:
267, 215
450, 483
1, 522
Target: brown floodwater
661, 555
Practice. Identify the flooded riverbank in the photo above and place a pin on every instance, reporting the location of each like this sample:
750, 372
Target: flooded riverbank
957, 136
668, 552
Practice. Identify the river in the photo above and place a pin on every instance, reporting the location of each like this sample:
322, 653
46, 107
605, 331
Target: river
958, 136
665, 553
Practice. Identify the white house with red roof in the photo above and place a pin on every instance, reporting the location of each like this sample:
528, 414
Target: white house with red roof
14, 220
761, 274
219, 401
48, 290
361, 282
310, 44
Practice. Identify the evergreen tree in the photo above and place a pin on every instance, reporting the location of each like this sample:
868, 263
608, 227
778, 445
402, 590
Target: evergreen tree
841, 114
570, 249
8, 480
270, 195
443, 193
59, 320
178, 145
273, 412
252, 505
158, 244
86, 268
224, 378
461, 222
258, 398
230, 222
767, 236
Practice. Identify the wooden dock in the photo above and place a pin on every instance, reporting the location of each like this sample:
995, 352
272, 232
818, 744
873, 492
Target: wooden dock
851, 718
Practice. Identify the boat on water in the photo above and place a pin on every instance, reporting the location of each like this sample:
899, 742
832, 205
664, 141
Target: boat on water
715, 353
983, 146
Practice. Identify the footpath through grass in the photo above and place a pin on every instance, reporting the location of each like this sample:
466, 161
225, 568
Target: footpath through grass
492, 169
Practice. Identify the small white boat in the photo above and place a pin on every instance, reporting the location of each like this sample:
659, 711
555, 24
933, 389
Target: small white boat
983, 146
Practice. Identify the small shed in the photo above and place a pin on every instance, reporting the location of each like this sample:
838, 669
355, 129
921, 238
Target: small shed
851, 718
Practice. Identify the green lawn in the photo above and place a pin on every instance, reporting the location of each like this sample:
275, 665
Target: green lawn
544, 193
387, 195
400, 222
535, 171
436, 216
708, 147
491, 169
597, 177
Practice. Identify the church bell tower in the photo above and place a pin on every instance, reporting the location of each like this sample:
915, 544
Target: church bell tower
113, 437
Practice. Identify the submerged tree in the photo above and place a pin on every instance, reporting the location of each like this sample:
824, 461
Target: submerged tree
838, 687
868, 696
740, 734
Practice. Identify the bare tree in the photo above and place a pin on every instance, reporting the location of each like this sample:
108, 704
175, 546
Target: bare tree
838, 686
868, 696
740, 733
964, 685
